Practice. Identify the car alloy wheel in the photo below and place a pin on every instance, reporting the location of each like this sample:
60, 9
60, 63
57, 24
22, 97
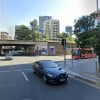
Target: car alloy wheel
45, 79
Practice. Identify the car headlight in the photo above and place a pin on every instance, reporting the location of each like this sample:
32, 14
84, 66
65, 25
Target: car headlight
50, 75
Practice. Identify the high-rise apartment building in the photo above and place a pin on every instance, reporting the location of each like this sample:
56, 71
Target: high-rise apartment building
42, 19
68, 29
96, 16
51, 27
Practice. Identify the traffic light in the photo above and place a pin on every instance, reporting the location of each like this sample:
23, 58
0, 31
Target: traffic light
63, 42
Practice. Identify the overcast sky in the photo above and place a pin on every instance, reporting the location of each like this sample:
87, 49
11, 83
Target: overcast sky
16, 12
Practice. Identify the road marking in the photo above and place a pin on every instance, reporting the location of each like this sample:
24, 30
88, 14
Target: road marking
17, 70
25, 76
27, 69
4, 71
7, 85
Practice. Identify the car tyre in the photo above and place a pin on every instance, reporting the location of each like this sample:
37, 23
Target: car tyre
66, 81
45, 79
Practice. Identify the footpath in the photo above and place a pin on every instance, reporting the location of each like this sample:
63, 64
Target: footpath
75, 69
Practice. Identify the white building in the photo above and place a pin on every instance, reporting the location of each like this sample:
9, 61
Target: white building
5, 36
51, 28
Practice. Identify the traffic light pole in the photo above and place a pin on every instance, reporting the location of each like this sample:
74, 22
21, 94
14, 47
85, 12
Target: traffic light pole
64, 47
64, 52
65, 56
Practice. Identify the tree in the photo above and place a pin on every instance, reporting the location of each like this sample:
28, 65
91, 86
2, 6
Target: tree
23, 33
83, 28
45, 37
64, 35
34, 25
84, 24
90, 37
69, 39
59, 36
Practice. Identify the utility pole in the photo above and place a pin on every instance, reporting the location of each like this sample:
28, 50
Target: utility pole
97, 4
97, 11
97, 24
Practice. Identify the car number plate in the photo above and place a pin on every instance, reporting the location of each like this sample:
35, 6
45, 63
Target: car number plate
62, 79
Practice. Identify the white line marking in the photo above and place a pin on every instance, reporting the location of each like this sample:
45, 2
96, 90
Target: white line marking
27, 69
17, 70
25, 76
5, 71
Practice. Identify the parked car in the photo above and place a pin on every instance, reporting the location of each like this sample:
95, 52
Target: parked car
50, 71
8, 57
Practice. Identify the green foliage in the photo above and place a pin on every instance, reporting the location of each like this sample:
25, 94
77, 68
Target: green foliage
85, 24
34, 25
59, 36
90, 37
64, 35
69, 39
45, 37
24, 33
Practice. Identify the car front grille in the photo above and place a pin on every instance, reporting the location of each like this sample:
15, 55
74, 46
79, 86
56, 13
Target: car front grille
62, 75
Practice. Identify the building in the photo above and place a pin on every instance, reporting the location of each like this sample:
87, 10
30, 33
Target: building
68, 29
51, 28
17, 27
42, 19
96, 16
5, 36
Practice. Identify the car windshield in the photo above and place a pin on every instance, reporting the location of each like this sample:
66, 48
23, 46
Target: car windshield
49, 64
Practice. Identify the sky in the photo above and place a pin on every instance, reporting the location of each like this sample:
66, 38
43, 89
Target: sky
18, 12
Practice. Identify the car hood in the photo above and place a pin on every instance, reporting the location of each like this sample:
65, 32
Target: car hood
55, 71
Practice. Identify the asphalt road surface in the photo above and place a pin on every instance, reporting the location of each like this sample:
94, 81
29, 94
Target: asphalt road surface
17, 82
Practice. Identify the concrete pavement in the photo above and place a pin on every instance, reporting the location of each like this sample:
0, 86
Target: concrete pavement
80, 69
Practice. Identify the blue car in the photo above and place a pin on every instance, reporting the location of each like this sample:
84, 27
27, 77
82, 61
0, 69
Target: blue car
49, 71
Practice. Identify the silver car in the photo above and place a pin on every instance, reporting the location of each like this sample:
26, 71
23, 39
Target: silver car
8, 57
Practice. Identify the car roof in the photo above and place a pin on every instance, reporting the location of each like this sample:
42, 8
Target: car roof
40, 61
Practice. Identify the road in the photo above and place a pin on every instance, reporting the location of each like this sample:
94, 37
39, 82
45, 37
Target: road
17, 82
